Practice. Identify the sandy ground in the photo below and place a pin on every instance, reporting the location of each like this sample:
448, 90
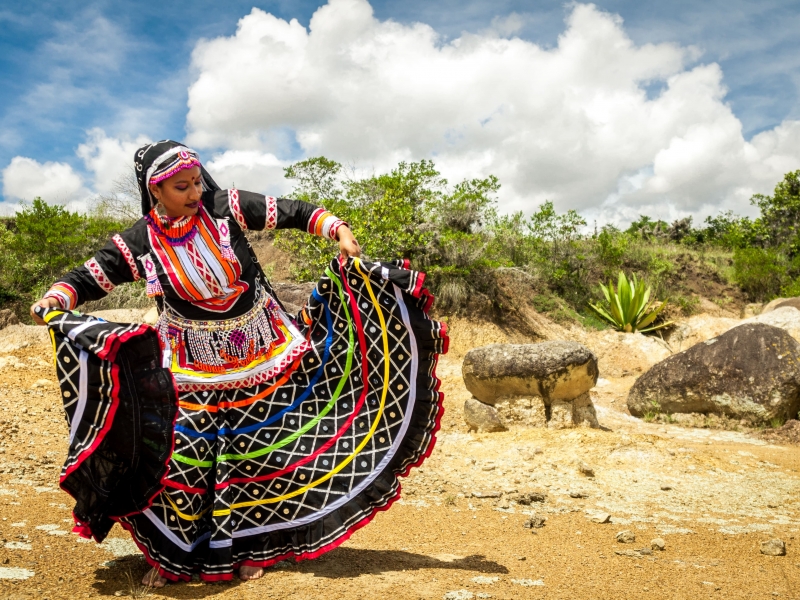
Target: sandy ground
457, 532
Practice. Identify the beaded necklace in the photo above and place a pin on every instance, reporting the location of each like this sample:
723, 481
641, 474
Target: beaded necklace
176, 231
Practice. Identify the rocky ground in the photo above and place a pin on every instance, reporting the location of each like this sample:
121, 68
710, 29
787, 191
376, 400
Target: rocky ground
459, 530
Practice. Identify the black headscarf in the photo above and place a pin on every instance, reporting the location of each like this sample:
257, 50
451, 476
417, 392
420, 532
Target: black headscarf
153, 158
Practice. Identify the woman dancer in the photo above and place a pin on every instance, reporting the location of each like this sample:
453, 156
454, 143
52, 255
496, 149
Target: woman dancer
289, 432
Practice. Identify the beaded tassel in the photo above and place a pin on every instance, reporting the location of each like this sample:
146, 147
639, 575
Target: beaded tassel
153, 284
225, 240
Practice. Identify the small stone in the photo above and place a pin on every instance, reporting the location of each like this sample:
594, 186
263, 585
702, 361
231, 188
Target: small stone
522, 558
534, 522
658, 544
458, 595
15, 573
482, 417
666, 488
487, 494
600, 517
528, 582
483, 580
773, 548
629, 553
585, 469
645, 551
576, 494
528, 498
626, 537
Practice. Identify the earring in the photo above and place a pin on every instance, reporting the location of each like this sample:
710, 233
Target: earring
159, 207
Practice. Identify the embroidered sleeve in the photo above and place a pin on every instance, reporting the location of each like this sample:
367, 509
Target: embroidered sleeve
127, 255
65, 294
307, 217
112, 265
250, 211
257, 212
324, 224
99, 275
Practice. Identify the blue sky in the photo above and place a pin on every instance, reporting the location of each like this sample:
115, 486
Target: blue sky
126, 68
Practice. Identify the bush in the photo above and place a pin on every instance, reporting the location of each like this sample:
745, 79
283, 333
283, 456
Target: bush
759, 272
407, 213
44, 242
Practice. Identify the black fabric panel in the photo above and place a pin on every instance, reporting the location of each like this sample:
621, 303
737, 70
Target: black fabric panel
123, 440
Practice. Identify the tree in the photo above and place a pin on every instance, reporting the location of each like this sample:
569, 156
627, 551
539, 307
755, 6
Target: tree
123, 203
780, 214
49, 240
406, 213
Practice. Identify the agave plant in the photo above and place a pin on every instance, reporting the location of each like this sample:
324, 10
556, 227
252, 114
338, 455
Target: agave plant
630, 308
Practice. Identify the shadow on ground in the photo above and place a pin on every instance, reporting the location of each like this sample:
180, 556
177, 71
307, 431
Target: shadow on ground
126, 573
352, 562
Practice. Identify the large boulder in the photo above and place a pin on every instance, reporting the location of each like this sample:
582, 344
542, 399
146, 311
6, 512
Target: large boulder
530, 385
783, 317
750, 372
552, 370
781, 303
700, 328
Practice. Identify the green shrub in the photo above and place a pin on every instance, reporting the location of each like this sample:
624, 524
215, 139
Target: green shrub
791, 289
688, 305
759, 272
612, 247
46, 241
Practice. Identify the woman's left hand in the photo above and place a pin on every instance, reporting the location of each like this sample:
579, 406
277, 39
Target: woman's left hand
348, 246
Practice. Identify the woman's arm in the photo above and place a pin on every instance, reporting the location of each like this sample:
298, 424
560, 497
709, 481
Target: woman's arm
112, 265
348, 245
258, 212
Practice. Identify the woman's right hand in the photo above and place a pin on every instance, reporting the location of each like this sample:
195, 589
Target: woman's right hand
44, 303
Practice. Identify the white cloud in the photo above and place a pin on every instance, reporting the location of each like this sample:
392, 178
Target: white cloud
25, 179
572, 123
108, 158
249, 170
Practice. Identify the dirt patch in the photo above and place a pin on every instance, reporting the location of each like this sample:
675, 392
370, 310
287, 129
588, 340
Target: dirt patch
274, 261
694, 278
789, 433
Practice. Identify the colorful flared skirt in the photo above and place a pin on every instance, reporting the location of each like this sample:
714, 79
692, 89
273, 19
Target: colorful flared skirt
291, 466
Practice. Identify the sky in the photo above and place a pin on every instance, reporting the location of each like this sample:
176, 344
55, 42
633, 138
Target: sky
614, 109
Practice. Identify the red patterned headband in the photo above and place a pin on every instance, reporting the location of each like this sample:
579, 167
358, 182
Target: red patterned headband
176, 160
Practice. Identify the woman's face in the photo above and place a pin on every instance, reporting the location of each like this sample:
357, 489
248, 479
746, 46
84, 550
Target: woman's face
180, 194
